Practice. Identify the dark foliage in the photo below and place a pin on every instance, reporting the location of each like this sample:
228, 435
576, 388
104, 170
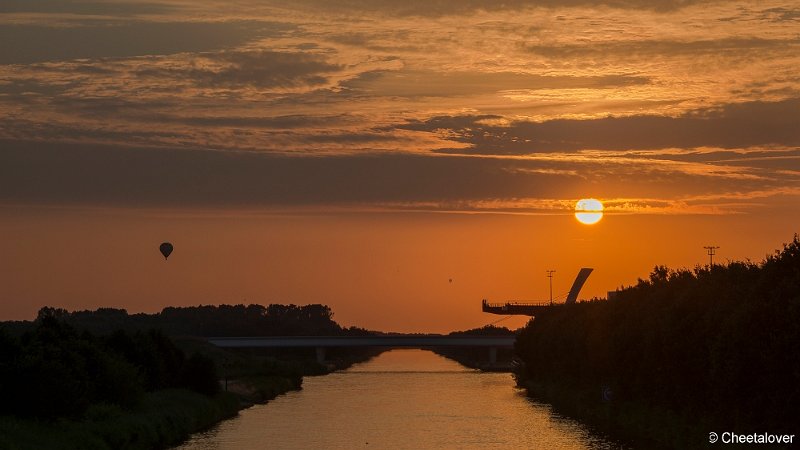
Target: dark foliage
53, 371
209, 320
478, 357
200, 375
161, 419
488, 330
717, 344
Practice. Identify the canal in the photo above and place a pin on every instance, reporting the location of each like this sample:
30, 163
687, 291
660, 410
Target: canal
410, 399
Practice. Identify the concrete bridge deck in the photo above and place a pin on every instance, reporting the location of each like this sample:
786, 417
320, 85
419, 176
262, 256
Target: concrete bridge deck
421, 340
400, 340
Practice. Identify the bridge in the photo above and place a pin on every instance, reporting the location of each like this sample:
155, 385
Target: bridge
390, 340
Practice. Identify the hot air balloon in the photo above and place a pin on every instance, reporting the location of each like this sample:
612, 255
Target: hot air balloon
166, 249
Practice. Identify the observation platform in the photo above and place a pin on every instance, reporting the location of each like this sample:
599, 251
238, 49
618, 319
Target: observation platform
515, 308
533, 309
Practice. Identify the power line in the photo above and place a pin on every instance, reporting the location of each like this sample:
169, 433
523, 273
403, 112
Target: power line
500, 320
712, 250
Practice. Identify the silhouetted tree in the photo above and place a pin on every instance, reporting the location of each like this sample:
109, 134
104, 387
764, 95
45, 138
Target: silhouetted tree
718, 342
53, 371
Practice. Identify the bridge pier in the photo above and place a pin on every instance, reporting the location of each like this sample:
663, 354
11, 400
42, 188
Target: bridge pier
492, 355
321, 355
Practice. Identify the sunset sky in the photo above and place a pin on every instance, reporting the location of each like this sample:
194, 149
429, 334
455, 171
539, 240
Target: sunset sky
363, 154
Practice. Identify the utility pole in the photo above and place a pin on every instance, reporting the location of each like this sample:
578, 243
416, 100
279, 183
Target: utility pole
711, 252
550, 275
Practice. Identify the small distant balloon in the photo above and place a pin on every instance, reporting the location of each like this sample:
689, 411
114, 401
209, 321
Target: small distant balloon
450, 280
166, 249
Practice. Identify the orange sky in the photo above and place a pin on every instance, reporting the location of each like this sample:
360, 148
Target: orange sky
362, 153
387, 271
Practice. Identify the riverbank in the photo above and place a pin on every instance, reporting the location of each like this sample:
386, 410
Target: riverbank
252, 390
478, 358
629, 423
163, 418
254, 379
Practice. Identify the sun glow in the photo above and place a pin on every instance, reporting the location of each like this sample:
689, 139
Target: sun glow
588, 211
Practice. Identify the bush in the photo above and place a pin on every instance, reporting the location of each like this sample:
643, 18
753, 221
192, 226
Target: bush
54, 371
200, 375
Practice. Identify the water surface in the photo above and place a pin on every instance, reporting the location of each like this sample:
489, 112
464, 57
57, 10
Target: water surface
410, 399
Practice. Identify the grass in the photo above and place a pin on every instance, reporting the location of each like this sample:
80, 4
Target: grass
163, 418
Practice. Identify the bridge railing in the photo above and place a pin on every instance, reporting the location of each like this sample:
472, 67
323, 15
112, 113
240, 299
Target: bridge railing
500, 305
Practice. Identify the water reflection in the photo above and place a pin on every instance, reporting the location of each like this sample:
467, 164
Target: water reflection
401, 399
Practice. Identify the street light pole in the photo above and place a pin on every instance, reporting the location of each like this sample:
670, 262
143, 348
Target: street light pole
550, 276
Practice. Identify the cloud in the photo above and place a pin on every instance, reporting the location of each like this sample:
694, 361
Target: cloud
410, 83
436, 8
97, 175
285, 122
419, 105
92, 174
639, 48
26, 44
84, 7
264, 69
179, 76
18, 88
781, 14
729, 126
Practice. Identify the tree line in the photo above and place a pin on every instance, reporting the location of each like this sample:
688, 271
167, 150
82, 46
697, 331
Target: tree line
212, 320
717, 345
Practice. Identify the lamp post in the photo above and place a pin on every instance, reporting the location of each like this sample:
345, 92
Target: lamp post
550, 276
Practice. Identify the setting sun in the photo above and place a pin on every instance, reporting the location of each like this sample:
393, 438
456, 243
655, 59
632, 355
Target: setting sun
588, 211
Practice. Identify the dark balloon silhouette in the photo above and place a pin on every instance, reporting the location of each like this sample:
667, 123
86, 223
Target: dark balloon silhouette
166, 249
